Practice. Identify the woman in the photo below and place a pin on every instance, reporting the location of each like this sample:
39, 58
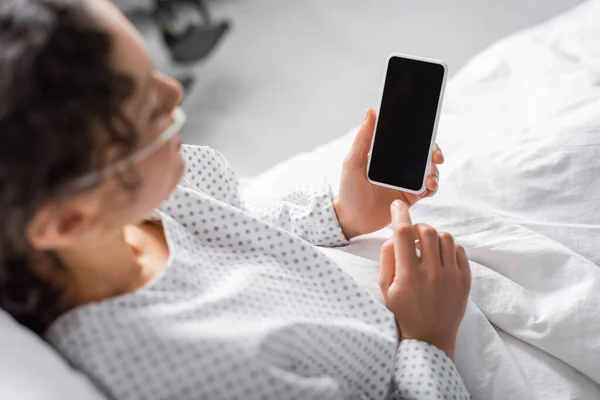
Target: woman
210, 296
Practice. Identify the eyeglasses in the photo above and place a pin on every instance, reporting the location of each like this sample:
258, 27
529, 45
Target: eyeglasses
93, 178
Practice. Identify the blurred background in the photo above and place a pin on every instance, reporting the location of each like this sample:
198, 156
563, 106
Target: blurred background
270, 78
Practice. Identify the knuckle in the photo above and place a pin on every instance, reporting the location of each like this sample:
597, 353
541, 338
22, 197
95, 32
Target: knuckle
434, 278
446, 237
407, 277
348, 162
388, 244
403, 229
466, 282
427, 230
387, 247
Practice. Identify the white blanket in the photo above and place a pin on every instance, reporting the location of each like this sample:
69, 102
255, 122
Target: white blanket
521, 191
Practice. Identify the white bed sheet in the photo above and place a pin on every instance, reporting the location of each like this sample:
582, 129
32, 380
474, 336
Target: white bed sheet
521, 191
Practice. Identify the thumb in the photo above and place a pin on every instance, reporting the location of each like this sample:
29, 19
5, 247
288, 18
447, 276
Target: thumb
359, 152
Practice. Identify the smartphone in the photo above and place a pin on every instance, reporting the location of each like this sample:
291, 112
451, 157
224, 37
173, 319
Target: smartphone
406, 125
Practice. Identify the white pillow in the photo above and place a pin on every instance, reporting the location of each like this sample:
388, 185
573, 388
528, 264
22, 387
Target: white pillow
31, 370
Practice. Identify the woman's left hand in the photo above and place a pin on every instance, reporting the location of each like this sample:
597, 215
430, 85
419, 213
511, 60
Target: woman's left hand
362, 207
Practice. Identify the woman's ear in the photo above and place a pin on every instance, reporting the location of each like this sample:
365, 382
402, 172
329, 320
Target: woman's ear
56, 226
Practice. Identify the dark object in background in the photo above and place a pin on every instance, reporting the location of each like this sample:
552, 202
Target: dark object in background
187, 81
188, 29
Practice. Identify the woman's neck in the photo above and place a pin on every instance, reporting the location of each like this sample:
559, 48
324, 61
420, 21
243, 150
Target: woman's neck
104, 267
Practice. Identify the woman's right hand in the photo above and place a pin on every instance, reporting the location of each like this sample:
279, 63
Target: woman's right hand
428, 293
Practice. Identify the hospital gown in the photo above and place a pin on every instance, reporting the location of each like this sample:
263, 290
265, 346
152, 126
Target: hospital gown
249, 308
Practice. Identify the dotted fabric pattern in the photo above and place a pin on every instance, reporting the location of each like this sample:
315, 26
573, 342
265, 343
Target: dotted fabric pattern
424, 372
247, 308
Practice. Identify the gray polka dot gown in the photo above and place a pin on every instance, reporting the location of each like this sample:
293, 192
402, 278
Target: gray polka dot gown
248, 308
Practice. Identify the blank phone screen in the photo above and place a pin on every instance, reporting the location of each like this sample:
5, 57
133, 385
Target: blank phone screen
406, 122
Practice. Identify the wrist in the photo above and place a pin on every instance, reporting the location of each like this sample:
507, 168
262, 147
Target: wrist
346, 222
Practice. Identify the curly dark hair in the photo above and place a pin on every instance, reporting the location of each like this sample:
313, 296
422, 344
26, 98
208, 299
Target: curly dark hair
56, 87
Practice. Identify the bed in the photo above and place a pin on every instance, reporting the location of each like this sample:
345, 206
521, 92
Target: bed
520, 190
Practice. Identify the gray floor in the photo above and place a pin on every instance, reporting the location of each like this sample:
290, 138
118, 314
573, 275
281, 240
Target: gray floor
297, 73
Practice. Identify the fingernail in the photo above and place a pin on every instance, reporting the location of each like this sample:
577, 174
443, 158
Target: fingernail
367, 114
436, 179
440, 153
396, 210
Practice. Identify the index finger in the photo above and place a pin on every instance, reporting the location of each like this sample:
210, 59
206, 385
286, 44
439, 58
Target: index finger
404, 237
